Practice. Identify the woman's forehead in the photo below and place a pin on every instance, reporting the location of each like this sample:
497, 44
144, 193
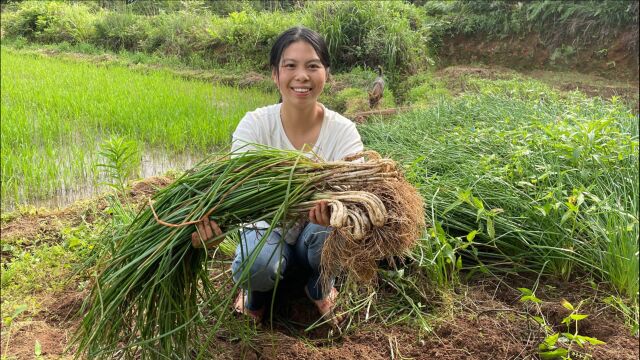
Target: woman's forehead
300, 51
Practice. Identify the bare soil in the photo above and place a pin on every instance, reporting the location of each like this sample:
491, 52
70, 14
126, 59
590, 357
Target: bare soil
479, 326
617, 58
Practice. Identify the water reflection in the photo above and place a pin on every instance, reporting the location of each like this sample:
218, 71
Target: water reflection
153, 163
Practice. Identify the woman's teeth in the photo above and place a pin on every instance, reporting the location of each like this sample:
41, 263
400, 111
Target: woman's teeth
301, 90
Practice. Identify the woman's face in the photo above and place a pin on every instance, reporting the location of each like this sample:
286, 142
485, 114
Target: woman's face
302, 75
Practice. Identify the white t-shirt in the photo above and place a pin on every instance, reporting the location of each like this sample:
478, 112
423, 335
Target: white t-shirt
338, 135
338, 138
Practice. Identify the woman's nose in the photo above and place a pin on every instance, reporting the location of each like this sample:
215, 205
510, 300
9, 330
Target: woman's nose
301, 75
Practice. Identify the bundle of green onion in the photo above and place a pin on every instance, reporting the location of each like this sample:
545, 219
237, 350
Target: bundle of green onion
147, 296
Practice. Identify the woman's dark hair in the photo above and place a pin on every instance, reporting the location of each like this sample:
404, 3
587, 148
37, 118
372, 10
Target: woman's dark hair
292, 35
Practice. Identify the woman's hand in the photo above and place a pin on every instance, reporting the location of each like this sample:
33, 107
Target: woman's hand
205, 231
320, 214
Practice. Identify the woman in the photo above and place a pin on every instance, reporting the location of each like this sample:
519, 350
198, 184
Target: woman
299, 67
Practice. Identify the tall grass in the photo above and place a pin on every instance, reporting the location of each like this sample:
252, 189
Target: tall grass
582, 20
521, 178
55, 113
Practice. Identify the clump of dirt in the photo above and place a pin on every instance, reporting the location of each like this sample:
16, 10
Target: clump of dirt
145, 188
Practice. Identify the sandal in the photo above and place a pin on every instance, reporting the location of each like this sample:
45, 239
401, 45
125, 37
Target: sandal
240, 308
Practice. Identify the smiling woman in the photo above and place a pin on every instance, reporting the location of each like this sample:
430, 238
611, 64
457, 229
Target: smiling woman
300, 66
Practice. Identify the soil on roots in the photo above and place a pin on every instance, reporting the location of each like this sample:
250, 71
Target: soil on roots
403, 226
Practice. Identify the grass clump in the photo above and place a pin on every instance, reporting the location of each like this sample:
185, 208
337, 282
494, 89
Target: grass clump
519, 178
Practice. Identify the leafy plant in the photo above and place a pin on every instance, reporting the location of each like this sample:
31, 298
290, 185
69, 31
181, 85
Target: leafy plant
120, 161
523, 166
559, 345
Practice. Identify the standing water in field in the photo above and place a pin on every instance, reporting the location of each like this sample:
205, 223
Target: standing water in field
56, 112
152, 163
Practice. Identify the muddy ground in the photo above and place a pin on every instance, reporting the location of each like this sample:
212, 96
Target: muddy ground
480, 319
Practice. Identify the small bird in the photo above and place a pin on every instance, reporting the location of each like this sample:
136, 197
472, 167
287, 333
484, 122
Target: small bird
378, 89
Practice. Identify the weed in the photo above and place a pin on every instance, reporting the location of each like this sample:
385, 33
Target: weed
559, 345
537, 175
120, 161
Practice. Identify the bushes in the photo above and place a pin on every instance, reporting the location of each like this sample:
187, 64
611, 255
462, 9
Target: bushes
582, 20
366, 33
50, 22
247, 35
179, 34
121, 31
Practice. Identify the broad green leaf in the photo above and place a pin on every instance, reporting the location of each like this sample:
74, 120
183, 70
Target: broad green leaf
567, 305
19, 310
577, 317
525, 291
490, 229
593, 341
530, 298
566, 216
551, 339
471, 235
477, 203
553, 354
451, 207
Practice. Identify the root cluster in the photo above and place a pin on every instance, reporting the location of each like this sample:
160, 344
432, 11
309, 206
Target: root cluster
373, 220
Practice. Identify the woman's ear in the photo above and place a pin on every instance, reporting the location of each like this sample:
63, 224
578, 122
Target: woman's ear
274, 77
328, 74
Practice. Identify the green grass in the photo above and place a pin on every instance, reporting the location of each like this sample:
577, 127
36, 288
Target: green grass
519, 178
55, 114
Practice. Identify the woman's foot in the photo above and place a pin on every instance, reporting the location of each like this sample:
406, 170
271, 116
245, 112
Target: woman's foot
326, 307
241, 308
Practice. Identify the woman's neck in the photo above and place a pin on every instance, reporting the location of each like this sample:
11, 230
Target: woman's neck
301, 119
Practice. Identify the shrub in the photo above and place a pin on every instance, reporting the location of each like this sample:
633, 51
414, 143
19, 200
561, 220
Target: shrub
391, 34
50, 22
180, 34
247, 35
121, 31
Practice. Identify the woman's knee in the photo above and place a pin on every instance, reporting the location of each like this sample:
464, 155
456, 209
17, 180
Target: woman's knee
262, 273
314, 237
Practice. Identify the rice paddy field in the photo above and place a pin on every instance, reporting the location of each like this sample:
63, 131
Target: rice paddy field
531, 199
57, 113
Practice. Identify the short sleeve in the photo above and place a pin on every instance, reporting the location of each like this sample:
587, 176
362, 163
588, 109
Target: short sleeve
350, 142
245, 134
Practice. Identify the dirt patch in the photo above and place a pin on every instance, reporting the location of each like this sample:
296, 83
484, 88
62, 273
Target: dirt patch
61, 311
23, 337
615, 57
485, 320
43, 225
145, 188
